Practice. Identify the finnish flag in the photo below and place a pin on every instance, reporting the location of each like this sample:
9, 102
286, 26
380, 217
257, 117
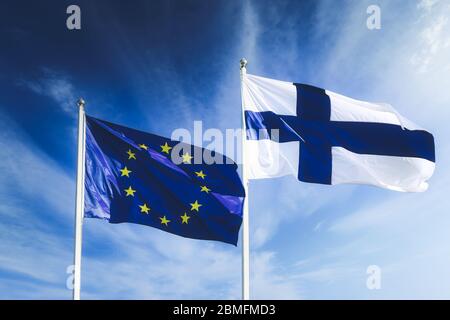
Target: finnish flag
323, 137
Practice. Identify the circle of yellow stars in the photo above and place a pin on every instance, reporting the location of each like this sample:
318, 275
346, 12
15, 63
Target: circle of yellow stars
144, 208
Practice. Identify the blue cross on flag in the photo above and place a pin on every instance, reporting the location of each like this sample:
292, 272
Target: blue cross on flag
323, 137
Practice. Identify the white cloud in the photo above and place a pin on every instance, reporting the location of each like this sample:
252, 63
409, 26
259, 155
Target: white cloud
30, 246
269, 279
434, 39
159, 265
26, 168
56, 86
427, 4
327, 274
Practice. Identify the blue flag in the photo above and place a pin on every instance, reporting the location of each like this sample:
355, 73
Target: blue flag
131, 176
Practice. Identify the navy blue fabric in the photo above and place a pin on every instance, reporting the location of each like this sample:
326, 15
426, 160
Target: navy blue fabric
166, 188
312, 124
312, 103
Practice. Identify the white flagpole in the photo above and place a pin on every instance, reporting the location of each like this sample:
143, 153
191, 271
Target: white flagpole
79, 209
245, 217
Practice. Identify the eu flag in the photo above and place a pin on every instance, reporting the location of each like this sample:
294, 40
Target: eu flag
137, 177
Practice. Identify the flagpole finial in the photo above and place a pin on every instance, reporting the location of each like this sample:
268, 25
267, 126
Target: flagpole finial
81, 103
243, 63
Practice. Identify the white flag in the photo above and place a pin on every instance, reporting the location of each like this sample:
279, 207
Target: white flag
323, 137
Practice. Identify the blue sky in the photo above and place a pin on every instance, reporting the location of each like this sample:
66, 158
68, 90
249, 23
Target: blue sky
160, 65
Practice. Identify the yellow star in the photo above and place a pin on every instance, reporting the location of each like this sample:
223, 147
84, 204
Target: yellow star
130, 191
131, 155
185, 218
164, 221
166, 148
205, 189
187, 158
125, 172
200, 174
144, 208
143, 146
195, 206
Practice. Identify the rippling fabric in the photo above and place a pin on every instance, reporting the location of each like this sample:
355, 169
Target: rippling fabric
133, 176
323, 137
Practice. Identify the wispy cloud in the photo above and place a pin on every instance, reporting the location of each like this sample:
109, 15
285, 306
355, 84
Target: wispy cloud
434, 39
36, 196
269, 279
427, 4
55, 85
